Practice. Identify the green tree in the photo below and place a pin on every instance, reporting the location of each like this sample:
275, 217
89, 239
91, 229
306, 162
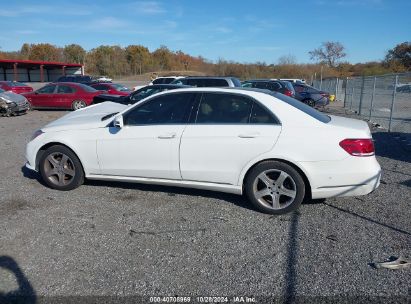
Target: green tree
162, 57
74, 53
138, 58
400, 54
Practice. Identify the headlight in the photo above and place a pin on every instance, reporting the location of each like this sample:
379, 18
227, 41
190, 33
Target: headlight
36, 134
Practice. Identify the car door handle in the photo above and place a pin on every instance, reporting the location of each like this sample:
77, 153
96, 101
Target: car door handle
249, 135
167, 136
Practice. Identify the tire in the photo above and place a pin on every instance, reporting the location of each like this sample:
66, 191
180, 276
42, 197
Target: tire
274, 187
78, 104
309, 102
61, 169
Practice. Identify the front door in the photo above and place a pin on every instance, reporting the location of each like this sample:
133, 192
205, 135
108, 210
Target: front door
42, 98
148, 144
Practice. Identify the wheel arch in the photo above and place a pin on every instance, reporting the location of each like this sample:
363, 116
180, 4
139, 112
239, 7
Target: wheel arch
43, 149
304, 176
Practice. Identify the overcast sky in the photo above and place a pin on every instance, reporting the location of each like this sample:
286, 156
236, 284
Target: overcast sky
244, 31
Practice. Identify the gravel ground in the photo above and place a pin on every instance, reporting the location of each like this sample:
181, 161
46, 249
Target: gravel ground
119, 239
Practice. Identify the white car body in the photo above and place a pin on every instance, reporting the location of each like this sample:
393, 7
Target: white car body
214, 157
103, 79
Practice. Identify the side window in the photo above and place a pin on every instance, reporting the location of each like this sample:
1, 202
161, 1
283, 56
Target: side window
247, 85
158, 81
216, 83
100, 87
260, 85
299, 89
260, 115
222, 108
46, 90
62, 89
195, 82
165, 109
167, 80
274, 86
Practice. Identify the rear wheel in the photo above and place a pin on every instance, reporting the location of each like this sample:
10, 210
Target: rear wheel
78, 104
61, 169
275, 187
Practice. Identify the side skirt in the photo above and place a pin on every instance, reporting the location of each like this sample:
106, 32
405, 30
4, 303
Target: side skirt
169, 182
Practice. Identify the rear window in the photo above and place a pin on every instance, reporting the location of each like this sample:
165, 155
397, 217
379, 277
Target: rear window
237, 83
87, 88
303, 107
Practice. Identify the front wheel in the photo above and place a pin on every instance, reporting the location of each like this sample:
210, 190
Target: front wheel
78, 104
275, 187
61, 169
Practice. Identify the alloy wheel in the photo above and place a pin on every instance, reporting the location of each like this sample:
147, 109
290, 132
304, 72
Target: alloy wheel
59, 169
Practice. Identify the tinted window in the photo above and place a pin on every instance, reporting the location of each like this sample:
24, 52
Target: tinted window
49, 89
299, 89
260, 85
167, 80
237, 83
158, 81
165, 109
100, 87
87, 88
303, 107
64, 89
274, 86
224, 109
260, 115
247, 85
143, 93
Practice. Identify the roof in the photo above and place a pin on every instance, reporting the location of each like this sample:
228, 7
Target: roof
33, 62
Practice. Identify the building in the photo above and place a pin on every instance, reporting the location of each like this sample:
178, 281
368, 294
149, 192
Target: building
36, 71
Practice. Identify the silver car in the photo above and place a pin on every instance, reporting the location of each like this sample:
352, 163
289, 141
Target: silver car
12, 104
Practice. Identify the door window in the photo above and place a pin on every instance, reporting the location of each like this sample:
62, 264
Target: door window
49, 89
260, 115
222, 108
166, 109
63, 89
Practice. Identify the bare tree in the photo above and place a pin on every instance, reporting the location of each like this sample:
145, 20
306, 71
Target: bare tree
287, 60
329, 52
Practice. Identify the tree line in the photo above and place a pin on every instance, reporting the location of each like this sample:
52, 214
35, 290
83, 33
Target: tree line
133, 60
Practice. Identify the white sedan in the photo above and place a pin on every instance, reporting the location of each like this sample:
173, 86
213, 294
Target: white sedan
268, 146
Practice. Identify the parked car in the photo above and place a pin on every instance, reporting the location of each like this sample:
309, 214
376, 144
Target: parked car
283, 87
15, 87
84, 79
310, 95
208, 81
111, 88
63, 95
165, 79
103, 79
406, 88
296, 80
273, 148
137, 95
12, 103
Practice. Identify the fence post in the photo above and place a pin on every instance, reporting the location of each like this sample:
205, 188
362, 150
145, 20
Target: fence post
352, 97
393, 102
345, 91
361, 95
336, 88
372, 97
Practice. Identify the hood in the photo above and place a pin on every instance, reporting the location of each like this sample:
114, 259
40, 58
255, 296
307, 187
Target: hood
86, 118
10, 97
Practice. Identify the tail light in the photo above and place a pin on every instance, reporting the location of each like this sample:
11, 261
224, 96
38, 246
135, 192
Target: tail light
288, 93
358, 147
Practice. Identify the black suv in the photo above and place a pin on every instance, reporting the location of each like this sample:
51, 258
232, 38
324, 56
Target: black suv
208, 81
283, 87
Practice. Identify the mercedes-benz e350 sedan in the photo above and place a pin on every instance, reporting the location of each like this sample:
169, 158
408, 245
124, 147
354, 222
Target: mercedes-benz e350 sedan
272, 148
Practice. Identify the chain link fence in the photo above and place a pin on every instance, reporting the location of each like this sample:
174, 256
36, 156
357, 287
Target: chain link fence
384, 100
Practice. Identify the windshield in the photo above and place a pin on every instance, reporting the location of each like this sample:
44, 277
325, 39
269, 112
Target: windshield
17, 84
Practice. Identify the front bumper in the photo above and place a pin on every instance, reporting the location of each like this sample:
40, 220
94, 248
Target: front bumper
18, 109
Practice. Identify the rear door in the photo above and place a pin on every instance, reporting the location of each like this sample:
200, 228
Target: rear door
228, 131
64, 96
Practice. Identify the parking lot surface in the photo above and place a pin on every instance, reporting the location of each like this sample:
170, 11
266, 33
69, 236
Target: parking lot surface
108, 238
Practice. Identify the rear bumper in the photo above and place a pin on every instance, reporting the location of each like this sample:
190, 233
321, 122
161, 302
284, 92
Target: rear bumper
350, 177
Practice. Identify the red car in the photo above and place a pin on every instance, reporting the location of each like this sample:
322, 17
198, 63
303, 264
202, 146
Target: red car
63, 95
112, 88
15, 87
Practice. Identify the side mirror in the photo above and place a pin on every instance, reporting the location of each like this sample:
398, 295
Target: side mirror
118, 121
